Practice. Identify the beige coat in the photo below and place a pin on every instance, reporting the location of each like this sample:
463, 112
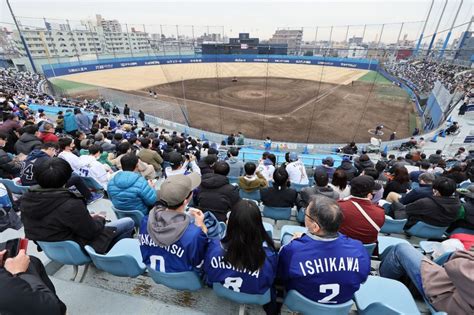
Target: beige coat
145, 169
151, 157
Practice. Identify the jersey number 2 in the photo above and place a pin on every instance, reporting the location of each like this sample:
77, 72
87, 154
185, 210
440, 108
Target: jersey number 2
335, 289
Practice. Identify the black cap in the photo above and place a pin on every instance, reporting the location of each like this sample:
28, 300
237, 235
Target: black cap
175, 158
363, 185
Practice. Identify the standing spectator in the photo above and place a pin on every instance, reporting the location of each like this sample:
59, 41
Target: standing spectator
231, 139
339, 184
83, 121
8, 167
116, 110
362, 219
296, 170
350, 149
28, 140
128, 190
266, 166
252, 180
279, 195
246, 253
436, 157
267, 144
66, 146
236, 166
141, 115
47, 135
216, 194
362, 162
240, 139
301, 264
126, 111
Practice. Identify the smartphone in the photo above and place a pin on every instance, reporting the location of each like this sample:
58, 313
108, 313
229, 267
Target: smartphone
12, 248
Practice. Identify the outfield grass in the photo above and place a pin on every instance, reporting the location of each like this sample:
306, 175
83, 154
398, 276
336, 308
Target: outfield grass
71, 86
374, 77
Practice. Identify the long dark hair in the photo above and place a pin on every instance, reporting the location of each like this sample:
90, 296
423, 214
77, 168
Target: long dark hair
401, 175
245, 236
280, 178
339, 179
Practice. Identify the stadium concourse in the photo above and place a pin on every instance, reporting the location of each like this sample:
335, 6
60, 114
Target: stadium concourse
387, 206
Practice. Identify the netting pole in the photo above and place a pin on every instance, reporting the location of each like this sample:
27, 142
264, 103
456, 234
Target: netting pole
92, 38
314, 104
161, 40
266, 97
45, 45
74, 40
177, 38
397, 45
194, 43
315, 40
347, 33
148, 39
129, 40
441, 53
363, 32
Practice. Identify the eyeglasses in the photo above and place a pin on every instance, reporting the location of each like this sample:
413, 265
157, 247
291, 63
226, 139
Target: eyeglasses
309, 217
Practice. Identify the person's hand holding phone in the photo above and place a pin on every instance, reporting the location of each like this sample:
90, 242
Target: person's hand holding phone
17, 264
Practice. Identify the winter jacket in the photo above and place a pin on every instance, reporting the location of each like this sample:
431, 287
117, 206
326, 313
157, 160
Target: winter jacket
274, 197
349, 169
217, 195
8, 168
327, 169
53, 215
70, 124
83, 123
106, 146
362, 165
251, 183
416, 194
306, 194
436, 210
236, 167
48, 137
395, 186
36, 157
130, 191
27, 143
151, 157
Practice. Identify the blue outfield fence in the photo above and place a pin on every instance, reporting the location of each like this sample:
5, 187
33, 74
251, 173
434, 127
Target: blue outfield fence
55, 70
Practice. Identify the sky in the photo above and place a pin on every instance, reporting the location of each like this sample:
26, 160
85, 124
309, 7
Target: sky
260, 18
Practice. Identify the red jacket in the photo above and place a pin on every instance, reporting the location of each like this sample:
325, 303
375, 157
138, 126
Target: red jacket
48, 137
355, 225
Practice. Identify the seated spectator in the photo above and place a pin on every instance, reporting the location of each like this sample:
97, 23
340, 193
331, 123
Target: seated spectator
424, 190
350, 149
321, 187
36, 157
8, 167
128, 190
83, 121
206, 165
47, 135
436, 157
327, 166
322, 255
70, 125
66, 146
362, 219
26, 288
150, 156
245, 260
279, 195
424, 167
266, 166
216, 194
51, 213
456, 173
466, 220
252, 180
145, 169
461, 155
179, 166
441, 209
377, 195
339, 184
168, 232
400, 182
362, 162
106, 145
236, 165
28, 140
448, 288
380, 166
348, 168
296, 170
91, 167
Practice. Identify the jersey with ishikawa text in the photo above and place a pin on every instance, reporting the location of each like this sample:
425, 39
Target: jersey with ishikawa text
325, 271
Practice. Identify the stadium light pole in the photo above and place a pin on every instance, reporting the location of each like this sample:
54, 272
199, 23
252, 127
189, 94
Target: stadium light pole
23, 41
436, 29
423, 29
464, 36
441, 53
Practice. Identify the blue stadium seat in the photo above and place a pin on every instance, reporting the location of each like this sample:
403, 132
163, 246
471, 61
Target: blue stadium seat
136, 215
185, 281
462, 230
387, 241
296, 302
298, 187
91, 183
425, 230
13, 187
67, 253
269, 228
443, 258
233, 180
124, 259
465, 184
300, 215
253, 195
241, 298
370, 248
393, 226
384, 296
277, 213
287, 231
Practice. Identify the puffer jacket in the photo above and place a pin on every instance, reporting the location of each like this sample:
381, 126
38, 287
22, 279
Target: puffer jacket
27, 143
70, 124
362, 165
349, 169
217, 195
130, 191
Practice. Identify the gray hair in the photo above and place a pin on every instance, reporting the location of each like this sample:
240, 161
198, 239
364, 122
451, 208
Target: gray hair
326, 212
427, 178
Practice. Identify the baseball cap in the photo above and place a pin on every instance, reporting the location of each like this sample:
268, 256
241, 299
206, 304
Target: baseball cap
329, 161
293, 156
362, 185
175, 158
176, 188
467, 192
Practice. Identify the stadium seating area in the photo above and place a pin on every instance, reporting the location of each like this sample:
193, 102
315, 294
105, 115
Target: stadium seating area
410, 217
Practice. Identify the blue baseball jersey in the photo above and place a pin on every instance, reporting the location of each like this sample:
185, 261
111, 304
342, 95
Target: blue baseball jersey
186, 254
324, 271
245, 281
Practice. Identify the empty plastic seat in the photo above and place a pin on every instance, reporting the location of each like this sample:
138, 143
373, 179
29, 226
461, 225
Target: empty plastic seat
296, 302
424, 230
277, 213
298, 187
122, 260
269, 228
287, 232
241, 298
392, 225
387, 241
253, 195
233, 180
370, 248
67, 253
136, 215
384, 296
463, 231
185, 281
300, 215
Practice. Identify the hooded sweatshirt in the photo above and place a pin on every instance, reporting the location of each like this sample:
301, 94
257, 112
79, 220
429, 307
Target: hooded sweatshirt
27, 143
236, 167
436, 210
170, 236
217, 195
70, 124
349, 169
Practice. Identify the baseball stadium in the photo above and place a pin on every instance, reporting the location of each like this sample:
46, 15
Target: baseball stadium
170, 167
